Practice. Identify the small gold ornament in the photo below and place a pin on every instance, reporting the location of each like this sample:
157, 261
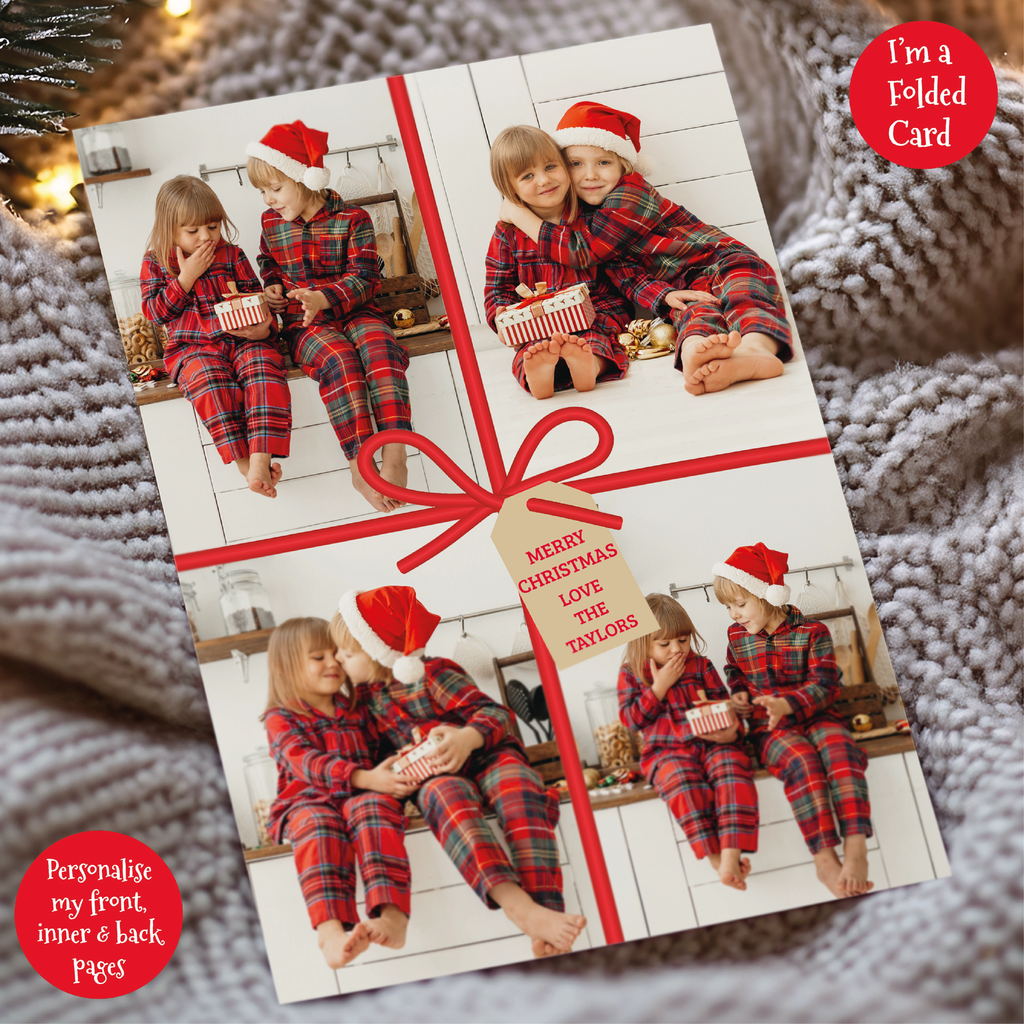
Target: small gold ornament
862, 723
662, 336
403, 318
639, 328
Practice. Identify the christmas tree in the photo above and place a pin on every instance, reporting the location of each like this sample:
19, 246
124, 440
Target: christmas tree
41, 46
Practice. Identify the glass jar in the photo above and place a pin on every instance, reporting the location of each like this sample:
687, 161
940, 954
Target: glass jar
261, 782
614, 742
106, 152
142, 340
243, 601
188, 592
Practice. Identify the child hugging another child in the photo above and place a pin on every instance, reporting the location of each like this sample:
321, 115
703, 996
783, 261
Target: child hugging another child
781, 669
236, 379
707, 781
332, 804
530, 171
380, 636
738, 331
318, 260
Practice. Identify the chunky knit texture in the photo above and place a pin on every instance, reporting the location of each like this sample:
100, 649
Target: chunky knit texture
907, 289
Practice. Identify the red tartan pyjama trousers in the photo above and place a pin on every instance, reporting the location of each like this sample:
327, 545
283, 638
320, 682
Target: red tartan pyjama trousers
603, 338
500, 779
709, 788
360, 367
747, 299
821, 767
327, 840
240, 392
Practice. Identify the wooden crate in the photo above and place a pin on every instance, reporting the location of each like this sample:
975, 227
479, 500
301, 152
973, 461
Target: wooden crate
862, 700
546, 761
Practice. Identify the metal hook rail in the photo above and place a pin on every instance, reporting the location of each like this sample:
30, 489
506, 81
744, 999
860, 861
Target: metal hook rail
390, 143
846, 563
476, 615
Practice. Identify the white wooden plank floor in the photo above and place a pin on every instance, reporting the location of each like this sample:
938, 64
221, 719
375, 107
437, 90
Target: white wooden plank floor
654, 420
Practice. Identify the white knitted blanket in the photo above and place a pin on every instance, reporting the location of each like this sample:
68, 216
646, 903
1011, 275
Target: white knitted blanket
907, 289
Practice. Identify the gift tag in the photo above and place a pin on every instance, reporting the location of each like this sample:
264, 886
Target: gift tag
571, 576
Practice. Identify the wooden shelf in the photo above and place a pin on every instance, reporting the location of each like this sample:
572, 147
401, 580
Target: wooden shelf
99, 179
221, 648
417, 345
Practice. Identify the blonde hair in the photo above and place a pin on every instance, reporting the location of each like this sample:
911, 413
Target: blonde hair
184, 200
674, 622
521, 146
290, 644
726, 591
344, 640
261, 174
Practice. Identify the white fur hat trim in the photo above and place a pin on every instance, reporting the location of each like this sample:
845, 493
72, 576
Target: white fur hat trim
773, 593
602, 139
314, 178
360, 629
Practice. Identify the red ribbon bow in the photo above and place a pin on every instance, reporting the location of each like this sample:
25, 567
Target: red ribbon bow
476, 503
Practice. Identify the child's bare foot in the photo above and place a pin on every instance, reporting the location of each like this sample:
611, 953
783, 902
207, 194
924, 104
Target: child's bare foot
826, 862
259, 477
389, 929
853, 879
275, 472
546, 928
730, 868
394, 469
375, 498
340, 947
584, 366
753, 359
695, 351
539, 362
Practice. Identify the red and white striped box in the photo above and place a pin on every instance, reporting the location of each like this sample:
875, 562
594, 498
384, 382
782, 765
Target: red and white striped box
539, 316
710, 716
240, 310
417, 762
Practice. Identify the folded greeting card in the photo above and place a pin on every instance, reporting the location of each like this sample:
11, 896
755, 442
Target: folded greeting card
672, 531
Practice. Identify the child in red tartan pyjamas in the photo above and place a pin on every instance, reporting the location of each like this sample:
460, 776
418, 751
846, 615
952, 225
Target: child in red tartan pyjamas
380, 636
781, 669
235, 380
332, 804
707, 781
318, 260
739, 331
528, 168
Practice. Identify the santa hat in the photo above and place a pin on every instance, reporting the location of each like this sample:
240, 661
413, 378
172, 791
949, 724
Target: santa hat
296, 151
758, 570
594, 124
392, 627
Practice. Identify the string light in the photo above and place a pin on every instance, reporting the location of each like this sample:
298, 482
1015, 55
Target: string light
178, 8
53, 188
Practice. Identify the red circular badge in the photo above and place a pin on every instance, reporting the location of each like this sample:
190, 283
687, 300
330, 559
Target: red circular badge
923, 94
98, 914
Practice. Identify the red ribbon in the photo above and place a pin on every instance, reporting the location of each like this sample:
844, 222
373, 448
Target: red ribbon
476, 503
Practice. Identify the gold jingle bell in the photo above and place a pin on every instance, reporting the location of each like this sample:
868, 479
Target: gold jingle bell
403, 318
861, 723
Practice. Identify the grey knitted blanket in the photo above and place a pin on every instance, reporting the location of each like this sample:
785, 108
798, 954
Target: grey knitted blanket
907, 289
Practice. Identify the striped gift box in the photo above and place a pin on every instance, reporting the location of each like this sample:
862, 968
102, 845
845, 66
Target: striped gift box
241, 310
416, 762
710, 716
541, 315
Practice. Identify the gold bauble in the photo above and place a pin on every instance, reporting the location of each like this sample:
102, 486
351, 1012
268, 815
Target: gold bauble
662, 336
638, 328
403, 318
591, 776
862, 723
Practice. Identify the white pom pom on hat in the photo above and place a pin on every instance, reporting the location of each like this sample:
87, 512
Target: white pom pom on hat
296, 151
758, 570
391, 626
